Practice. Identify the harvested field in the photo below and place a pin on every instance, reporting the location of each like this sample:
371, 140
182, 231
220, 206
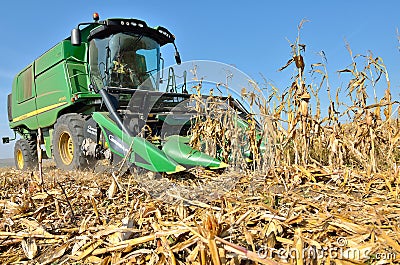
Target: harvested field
301, 215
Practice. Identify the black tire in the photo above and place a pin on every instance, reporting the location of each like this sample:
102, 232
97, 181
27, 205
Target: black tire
67, 142
25, 154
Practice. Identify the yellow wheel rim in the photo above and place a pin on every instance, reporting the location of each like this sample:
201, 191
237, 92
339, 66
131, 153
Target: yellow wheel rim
20, 159
66, 147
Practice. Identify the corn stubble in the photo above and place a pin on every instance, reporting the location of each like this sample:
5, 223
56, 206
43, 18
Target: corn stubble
322, 183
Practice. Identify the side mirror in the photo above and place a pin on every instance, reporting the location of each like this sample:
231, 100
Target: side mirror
178, 58
76, 37
6, 140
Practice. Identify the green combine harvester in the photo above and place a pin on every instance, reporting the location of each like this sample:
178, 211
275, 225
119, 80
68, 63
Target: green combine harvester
95, 95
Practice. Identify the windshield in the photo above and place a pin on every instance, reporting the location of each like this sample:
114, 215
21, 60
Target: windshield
125, 60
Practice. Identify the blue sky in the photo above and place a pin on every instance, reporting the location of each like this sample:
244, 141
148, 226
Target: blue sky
251, 35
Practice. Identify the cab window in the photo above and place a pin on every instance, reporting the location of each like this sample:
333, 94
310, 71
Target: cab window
24, 84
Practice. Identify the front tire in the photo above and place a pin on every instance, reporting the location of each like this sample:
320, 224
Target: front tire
25, 154
67, 142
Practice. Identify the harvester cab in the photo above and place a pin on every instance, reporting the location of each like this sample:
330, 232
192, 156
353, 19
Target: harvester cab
96, 95
124, 52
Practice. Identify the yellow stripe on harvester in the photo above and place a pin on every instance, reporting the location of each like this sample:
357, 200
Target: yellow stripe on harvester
38, 111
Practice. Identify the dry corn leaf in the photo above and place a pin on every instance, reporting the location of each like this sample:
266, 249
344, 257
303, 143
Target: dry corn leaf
87, 250
29, 247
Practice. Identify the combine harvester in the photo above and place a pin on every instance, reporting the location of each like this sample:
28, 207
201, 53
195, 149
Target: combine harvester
96, 95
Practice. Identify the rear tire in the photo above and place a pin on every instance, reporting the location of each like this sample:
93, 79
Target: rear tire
25, 154
67, 142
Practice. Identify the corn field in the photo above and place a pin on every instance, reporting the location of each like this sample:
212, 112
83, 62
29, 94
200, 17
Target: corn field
322, 186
